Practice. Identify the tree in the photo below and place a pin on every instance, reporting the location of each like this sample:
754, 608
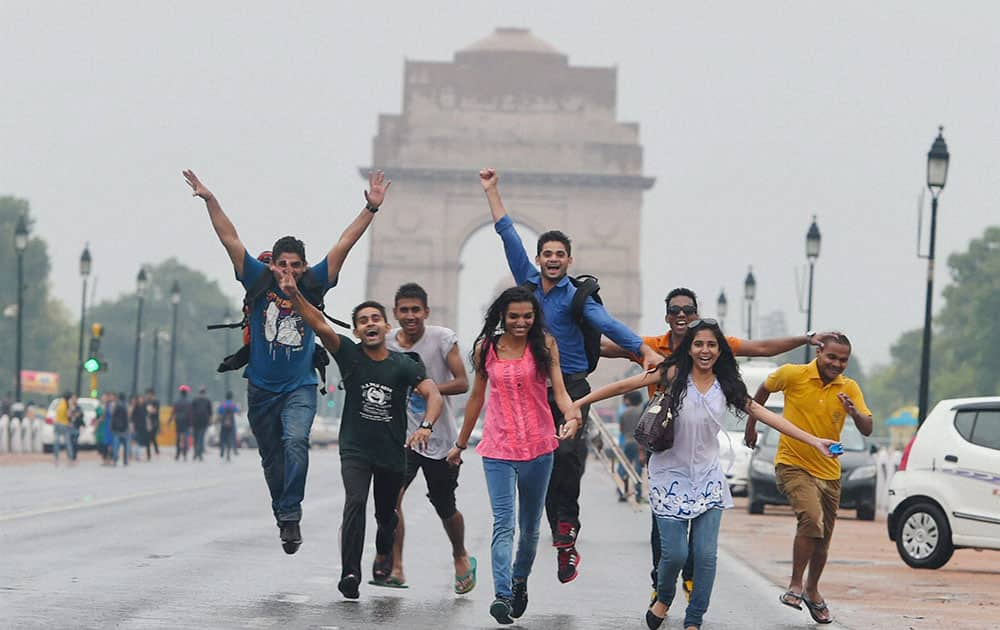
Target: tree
964, 361
48, 326
198, 350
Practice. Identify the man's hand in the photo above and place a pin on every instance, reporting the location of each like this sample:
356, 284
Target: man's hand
454, 456
821, 338
823, 446
750, 436
199, 189
848, 404
572, 424
286, 281
650, 358
378, 185
488, 178
419, 439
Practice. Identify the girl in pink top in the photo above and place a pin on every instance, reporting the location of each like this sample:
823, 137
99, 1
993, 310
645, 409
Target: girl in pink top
518, 437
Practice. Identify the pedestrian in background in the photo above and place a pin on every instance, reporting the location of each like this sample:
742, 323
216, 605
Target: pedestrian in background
140, 428
201, 415
76, 423
180, 416
227, 426
102, 435
519, 436
626, 425
686, 481
61, 428
153, 422
120, 429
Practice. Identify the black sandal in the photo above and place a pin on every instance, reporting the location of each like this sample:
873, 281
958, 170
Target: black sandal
652, 621
816, 609
381, 570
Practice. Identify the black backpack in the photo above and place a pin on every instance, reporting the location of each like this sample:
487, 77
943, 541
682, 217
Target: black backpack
586, 286
313, 291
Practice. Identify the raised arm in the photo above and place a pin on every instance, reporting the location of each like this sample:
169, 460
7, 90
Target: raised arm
310, 314
430, 393
224, 228
378, 185
459, 384
777, 345
520, 265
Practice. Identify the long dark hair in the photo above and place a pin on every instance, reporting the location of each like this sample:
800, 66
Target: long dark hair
727, 371
493, 328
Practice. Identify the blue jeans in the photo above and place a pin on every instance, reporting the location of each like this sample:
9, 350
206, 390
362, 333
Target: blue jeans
281, 423
119, 438
62, 438
529, 480
674, 546
631, 451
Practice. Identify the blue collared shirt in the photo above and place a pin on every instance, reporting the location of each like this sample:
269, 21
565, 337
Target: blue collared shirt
556, 306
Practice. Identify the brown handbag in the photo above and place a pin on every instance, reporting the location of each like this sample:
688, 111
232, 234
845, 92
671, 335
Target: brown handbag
655, 430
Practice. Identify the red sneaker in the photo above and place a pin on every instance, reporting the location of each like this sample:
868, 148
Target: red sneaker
565, 536
569, 561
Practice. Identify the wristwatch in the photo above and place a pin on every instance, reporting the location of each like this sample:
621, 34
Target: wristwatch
810, 334
426, 425
370, 208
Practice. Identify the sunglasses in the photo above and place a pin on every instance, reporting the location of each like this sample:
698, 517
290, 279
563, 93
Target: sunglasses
687, 309
698, 323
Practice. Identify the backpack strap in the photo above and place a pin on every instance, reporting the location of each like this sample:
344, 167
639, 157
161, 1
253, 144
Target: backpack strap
586, 286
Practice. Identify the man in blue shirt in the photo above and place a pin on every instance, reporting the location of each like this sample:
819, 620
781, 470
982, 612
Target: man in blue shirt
281, 394
555, 293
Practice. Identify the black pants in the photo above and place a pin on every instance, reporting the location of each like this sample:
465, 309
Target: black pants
358, 474
562, 502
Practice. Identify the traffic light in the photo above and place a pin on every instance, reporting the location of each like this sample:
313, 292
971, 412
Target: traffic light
94, 362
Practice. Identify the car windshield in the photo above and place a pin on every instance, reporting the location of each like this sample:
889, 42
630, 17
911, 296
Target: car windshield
850, 438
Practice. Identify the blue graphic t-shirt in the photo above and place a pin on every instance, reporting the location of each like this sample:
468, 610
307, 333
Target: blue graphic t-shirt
281, 345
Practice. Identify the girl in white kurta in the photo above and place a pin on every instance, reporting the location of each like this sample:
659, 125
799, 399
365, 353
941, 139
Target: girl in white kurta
687, 486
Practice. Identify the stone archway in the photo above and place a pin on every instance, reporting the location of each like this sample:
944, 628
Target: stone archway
511, 101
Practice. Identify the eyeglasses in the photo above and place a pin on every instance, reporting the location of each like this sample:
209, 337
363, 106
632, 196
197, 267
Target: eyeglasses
698, 323
687, 309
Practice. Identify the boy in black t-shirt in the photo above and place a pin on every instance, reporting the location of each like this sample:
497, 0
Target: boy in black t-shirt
377, 383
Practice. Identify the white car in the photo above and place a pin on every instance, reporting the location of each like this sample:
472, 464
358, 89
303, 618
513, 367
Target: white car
87, 432
946, 493
734, 455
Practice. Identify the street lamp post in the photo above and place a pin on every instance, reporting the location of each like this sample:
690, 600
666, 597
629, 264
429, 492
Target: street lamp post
20, 244
749, 293
812, 253
175, 300
85, 262
937, 175
721, 307
140, 291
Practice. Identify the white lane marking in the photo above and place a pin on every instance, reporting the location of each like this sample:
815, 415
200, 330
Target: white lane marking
111, 501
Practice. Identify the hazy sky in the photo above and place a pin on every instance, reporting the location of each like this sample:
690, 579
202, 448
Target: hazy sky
754, 117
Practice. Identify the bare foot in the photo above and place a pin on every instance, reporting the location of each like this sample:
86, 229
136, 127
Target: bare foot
462, 565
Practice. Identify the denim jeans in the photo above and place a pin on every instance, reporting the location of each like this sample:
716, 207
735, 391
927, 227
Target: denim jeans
61, 439
199, 442
120, 438
674, 547
358, 475
281, 422
529, 480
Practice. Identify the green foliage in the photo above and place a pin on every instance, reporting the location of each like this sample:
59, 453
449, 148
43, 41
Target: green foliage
48, 326
966, 333
198, 351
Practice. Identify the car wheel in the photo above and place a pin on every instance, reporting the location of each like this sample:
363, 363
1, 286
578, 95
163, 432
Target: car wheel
866, 513
923, 539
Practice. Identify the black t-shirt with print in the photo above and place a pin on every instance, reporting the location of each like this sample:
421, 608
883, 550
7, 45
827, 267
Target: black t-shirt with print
373, 423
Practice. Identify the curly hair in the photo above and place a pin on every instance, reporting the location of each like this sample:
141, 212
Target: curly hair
726, 369
493, 328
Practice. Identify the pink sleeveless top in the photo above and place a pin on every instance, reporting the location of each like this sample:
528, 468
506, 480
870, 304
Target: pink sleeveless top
518, 424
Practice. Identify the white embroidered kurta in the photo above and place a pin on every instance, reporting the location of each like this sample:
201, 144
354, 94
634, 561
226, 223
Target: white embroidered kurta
687, 479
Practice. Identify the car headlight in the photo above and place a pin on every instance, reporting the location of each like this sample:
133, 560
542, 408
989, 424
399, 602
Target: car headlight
862, 472
762, 466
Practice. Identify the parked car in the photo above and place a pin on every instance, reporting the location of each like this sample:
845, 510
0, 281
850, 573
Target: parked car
857, 473
946, 493
87, 438
734, 455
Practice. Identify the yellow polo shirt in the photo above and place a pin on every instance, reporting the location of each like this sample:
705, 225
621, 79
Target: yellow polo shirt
813, 407
62, 412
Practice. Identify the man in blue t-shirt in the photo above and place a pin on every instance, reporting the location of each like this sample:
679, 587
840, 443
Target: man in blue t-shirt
281, 393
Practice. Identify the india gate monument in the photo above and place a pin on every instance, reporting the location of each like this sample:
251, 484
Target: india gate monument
513, 102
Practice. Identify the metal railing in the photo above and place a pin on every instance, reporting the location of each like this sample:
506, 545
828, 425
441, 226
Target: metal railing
604, 446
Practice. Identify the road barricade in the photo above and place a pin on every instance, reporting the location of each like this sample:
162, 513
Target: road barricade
4, 434
16, 443
35, 441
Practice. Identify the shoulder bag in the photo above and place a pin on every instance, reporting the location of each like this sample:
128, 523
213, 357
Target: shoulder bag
655, 430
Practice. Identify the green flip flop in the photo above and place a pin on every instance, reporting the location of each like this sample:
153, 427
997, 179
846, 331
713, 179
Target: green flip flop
389, 582
466, 582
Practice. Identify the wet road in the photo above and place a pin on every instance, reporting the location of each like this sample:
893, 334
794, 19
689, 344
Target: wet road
172, 545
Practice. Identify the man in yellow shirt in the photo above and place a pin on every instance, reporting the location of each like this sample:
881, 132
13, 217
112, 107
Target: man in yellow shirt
818, 399
61, 429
